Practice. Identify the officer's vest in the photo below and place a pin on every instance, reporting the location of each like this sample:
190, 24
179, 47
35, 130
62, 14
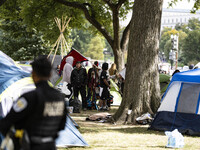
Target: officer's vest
46, 121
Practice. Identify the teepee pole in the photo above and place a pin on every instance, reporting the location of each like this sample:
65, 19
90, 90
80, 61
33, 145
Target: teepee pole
67, 24
53, 48
58, 23
56, 50
61, 47
61, 41
65, 43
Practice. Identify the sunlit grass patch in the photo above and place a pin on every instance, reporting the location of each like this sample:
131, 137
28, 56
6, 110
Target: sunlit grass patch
104, 136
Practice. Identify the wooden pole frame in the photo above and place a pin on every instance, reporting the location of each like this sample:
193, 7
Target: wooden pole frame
61, 41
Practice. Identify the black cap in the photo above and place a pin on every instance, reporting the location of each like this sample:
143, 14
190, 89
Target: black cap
78, 62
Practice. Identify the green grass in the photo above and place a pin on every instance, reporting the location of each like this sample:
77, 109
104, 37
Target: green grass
104, 136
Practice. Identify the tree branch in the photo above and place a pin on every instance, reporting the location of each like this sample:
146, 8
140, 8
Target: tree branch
92, 10
120, 3
110, 4
2, 2
89, 17
125, 36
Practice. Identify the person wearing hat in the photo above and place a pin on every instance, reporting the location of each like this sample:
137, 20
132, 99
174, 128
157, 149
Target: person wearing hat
40, 113
79, 82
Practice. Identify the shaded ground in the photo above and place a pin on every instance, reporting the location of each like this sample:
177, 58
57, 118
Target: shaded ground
104, 136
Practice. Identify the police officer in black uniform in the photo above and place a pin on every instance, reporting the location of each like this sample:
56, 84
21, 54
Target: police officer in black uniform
41, 112
79, 82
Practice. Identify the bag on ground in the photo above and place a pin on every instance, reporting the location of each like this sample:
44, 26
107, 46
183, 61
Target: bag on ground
175, 139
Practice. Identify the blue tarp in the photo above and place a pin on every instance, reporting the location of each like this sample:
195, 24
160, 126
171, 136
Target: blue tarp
9, 72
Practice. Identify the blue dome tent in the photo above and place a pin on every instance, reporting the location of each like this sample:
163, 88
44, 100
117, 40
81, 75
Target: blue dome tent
10, 72
179, 107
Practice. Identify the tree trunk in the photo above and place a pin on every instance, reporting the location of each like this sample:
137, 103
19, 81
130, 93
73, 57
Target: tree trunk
119, 59
142, 89
118, 54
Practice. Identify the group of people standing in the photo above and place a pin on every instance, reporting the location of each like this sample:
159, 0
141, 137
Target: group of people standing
96, 81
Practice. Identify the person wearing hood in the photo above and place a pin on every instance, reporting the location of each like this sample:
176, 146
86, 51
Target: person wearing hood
67, 70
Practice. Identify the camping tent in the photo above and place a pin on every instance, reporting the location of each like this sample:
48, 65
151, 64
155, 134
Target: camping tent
12, 93
10, 72
179, 107
15, 87
197, 65
70, 136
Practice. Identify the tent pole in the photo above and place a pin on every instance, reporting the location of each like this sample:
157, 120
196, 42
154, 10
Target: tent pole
53, 48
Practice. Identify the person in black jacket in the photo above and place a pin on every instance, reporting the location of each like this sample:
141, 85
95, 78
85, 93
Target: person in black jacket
79, 82
41, 113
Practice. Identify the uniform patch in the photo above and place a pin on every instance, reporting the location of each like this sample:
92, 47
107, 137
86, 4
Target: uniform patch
20, 105
53, 109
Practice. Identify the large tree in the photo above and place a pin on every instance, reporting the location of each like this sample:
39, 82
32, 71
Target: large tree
142, 89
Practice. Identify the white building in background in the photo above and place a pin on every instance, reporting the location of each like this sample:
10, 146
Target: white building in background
171, 17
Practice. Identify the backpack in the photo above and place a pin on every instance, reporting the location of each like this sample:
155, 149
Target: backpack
76, 103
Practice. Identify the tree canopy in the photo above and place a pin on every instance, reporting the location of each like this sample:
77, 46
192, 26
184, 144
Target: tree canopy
95, 48
165, 41
81, 39
24, 45
188, 41
191, 47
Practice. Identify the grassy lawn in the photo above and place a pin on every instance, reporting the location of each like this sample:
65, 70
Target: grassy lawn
104, 136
